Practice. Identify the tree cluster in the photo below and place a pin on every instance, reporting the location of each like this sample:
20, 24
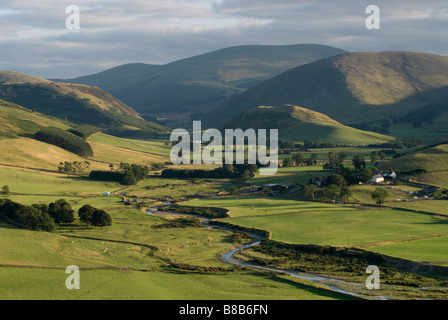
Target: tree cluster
75, 167
45, 217
93, 216
127, 174
33, 217
65, 140
243, 171
298, 159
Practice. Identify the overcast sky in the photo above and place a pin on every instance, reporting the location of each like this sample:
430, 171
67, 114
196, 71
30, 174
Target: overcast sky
34, 38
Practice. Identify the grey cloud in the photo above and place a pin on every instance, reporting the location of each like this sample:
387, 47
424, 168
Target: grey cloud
34, 39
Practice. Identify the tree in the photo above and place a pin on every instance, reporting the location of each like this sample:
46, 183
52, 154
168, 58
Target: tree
5, 190
359, 162
245, 175
345, 192
298, 158
373, 156
337, 180
85, 213
288, 162
101, 218
61, 212
310, 190
365, 175
333, 191
233, 190
380, 195
128, 178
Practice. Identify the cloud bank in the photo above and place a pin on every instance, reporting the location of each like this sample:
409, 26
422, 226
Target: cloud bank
35, 40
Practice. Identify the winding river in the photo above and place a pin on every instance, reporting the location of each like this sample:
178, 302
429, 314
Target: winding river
332, 284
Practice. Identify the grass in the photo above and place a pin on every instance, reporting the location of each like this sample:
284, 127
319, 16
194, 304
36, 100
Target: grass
156, 187
261, 206
418, 250
297, 175
29, 182
299, 124
43, 284
151, 147
341, 228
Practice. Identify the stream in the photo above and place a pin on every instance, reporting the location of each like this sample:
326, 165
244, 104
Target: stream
229, 257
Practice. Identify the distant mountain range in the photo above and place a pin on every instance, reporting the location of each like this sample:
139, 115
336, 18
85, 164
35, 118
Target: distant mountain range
352, 87
187, 88
300, 124
228, 87
76, 103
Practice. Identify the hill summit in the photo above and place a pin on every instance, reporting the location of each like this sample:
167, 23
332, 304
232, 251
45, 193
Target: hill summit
299, 124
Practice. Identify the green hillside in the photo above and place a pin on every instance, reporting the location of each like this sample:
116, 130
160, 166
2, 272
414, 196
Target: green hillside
117, 77
19, 148
352, 87
299, 124
200, 83
77, 103
432, 160
17, 121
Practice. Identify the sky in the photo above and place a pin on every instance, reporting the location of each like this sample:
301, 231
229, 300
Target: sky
35, 39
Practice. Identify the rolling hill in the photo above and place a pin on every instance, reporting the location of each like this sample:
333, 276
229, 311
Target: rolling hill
76, 103
300, 124
200, 83
16, 121
352, 87
19, 148
433, 160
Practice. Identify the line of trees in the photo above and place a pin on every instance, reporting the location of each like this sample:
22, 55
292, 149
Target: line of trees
127, 174
30, 217
75, 167
243, 171
298, 159
65, 140
46, 217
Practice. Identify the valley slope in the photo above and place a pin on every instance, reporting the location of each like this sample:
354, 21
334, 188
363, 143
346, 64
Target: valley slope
80, 104
200, 83
299, 124
352, 87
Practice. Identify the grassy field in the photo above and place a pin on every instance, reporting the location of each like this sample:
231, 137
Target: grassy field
261, 206
152, 147
298, 175
44, 284
340, 228
418, 250
30, 182
33, 263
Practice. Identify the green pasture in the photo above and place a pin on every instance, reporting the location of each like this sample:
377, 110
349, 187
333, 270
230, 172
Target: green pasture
341, 228
259, 206
46, 284
153, 147
29, 182
432, 250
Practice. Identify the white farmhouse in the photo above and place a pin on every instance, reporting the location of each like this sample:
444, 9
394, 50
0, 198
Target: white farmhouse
377, 179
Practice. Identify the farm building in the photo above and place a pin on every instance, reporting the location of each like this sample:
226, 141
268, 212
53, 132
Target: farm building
377, 179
